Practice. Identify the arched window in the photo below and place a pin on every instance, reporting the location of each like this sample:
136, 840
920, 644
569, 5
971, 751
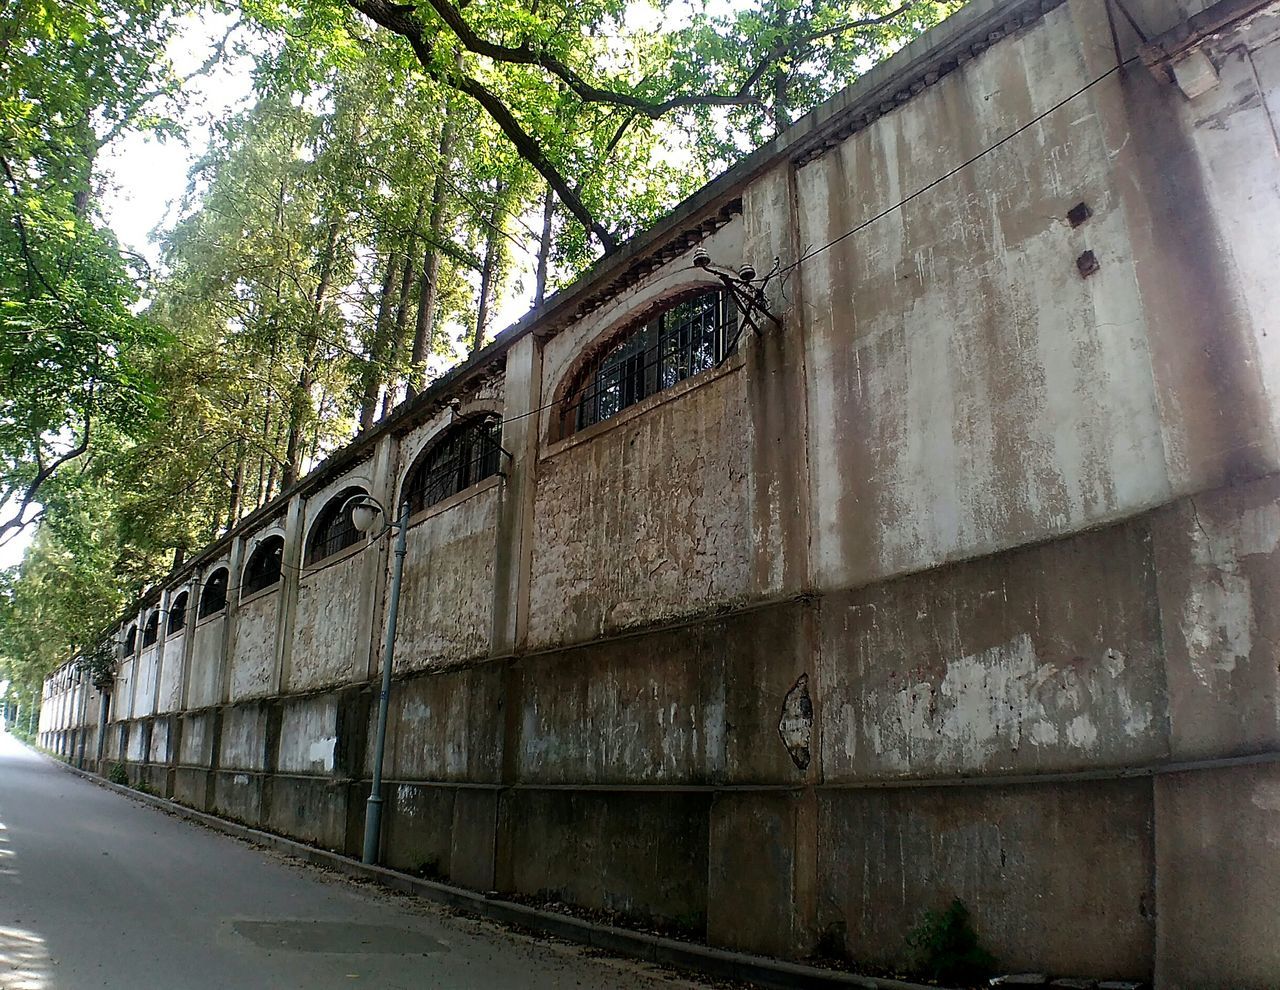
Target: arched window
214, 597
333, 529
178, 613
464, 456
151, 631
693, 335
131, 641
263, 569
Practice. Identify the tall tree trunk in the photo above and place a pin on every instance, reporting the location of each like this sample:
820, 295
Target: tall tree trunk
377, 346
488, 269
300, 400
544, 246
87, 140
237, 486
273, 472
424, 330
402, 310
781, 117
263, 490
299, 404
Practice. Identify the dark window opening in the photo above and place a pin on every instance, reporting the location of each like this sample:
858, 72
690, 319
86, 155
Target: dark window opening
131, 641
334, 529
466, 455
178, 613
151, 631
692, 336
263, 569
214, 597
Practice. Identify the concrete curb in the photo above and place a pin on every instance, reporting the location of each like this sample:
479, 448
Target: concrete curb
688, 956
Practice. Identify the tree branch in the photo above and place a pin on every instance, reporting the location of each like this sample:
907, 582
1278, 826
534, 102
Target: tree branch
10, 527
398, 19
526, 55
21, 226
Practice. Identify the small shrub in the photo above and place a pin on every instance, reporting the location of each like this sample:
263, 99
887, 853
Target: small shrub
946, 947
118, 774
429, 869
831, 943
143, 786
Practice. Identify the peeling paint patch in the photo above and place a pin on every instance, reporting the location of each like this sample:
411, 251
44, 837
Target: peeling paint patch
321, 753
989, 705
1217, 617
795, 727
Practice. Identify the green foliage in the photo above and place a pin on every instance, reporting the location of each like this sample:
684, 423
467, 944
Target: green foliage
118, 774
946, 947
99, 662
72, 80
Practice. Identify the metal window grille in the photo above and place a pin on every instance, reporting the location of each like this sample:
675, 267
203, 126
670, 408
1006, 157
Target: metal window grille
214, 597
334, 530
692, 336
178, 613
263, 569
151, 631
465, 456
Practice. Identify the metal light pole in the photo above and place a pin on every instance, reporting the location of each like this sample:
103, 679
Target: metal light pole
364, 513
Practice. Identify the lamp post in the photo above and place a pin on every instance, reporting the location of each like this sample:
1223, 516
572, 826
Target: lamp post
365, 512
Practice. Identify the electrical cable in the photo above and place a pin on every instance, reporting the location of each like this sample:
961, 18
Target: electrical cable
963, 165
814, 252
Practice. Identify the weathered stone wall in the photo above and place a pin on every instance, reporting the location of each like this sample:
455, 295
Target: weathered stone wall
171, 673
253, 654
955, 583
447, 592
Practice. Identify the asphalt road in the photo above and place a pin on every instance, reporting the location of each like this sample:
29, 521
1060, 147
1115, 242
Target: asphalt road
100, 891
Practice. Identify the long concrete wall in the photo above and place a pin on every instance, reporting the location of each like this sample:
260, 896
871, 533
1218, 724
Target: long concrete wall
953, 583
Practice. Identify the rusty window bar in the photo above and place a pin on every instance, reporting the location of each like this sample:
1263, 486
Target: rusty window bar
470, 453
263, 570
178, 613
214, 597
691, 337
151, 631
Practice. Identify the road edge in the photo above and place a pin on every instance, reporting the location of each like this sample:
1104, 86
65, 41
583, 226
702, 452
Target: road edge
763, 971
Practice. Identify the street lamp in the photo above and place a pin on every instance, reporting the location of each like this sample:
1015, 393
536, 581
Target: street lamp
365, 512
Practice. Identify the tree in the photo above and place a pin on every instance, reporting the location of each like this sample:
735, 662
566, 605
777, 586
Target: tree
72, 80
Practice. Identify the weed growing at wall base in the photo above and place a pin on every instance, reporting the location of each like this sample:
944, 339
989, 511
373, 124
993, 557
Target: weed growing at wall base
945, 947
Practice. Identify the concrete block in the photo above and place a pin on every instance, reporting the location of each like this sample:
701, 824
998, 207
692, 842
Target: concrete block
1218, 862
1044, 658
1021, 858
190, 787
473, 838
640, 855
445, 726
309, 809
417, 828
237, 795
1218, 557
759, 873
